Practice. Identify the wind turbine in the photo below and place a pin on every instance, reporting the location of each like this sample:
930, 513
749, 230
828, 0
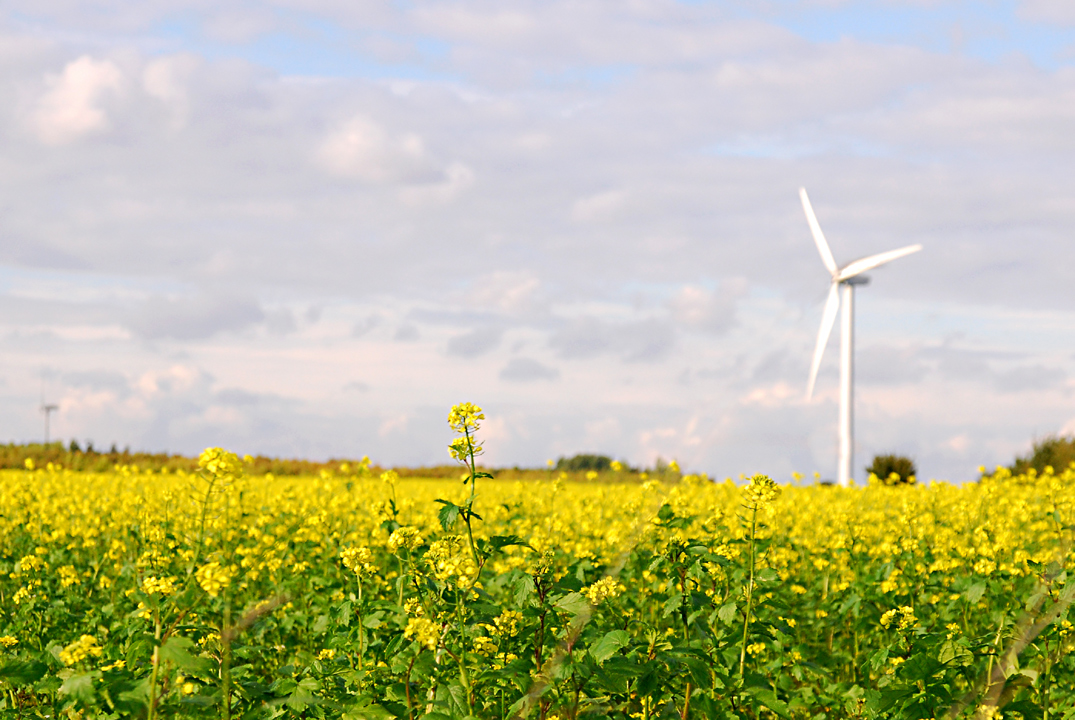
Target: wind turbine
844, 280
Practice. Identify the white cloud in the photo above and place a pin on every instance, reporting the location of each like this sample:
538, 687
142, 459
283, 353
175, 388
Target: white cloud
167, 80
362, 149
602, 206
72, 106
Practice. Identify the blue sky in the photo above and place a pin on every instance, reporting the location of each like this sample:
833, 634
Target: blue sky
304, 228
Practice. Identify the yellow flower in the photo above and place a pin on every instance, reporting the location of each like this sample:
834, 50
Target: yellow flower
85, 647
160, 586
485, 646
425, 631
407, 538
507, 623
220, 463
9, 640
906, 616
760, 492
464, 418
213, 578
603, 589
359, 560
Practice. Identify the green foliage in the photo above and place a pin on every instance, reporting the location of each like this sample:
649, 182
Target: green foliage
885, 467
584, 462
1055, 451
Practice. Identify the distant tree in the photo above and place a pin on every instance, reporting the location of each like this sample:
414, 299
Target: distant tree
584, 462
893, 469
1057, 451
73, 447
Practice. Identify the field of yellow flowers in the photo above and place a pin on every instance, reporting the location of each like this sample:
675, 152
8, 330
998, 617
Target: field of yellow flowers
353, 594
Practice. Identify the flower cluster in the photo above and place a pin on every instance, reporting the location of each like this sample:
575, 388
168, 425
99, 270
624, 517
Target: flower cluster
214, 578
603, 589
424, 631
158, 586
905, 614
220, 463
761, 491
405, 538
81, 649
359, 560
464, 418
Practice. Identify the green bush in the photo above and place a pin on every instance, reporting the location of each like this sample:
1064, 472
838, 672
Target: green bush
584, 462
1057, 451
893, 469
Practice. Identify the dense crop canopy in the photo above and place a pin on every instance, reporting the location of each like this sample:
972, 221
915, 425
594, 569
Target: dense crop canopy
214, 594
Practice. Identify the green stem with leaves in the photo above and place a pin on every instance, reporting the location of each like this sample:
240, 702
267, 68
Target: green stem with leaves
750, 593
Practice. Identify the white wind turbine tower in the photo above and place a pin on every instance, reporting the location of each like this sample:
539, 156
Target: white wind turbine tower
844, 280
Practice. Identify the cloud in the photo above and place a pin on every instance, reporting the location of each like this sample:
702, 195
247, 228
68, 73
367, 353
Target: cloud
1030, 378
705, 310
889, 365
475, 343
587, 337
602, 206
521, 370
193, 318
362, 149
72, 106
505, 291
364, 325
168, 81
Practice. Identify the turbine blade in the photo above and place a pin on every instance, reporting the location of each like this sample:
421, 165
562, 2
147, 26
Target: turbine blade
828, 318
819, 237
861, 265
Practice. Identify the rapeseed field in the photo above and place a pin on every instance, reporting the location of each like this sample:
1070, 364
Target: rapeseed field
356, 594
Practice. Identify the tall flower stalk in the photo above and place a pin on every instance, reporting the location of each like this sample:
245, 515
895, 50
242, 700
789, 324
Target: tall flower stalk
756, 496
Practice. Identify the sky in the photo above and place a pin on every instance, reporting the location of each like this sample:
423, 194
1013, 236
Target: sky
306, 228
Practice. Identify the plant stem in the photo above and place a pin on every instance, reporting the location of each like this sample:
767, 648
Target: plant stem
156, 668
225, 661
750, 594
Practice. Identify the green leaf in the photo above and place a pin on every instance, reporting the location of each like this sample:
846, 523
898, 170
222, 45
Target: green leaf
727, 613
22, 672
673, 603
974, 593
303, 695
366, 710
502, 541
448, 514
80, 686
177, 650
573, 603
952, 652
768, 698
609, 645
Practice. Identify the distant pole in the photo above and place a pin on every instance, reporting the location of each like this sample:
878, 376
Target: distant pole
48, 410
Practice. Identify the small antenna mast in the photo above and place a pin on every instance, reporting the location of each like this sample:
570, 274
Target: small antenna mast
47, 408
